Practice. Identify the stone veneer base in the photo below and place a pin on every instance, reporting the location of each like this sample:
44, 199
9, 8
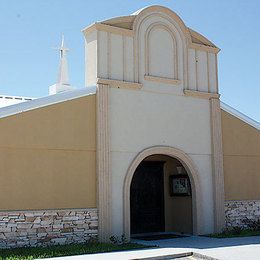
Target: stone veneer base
47, 227
238, 210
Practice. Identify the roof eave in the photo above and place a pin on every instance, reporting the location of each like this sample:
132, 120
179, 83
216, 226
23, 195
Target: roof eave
45, 101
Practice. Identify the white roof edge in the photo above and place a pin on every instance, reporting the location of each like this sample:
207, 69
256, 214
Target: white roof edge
240, 115
16, 97
45, 101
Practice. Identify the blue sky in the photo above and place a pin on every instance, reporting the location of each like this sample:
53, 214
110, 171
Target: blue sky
31, 28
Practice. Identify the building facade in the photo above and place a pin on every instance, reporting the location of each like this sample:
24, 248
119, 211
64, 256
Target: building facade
146, 146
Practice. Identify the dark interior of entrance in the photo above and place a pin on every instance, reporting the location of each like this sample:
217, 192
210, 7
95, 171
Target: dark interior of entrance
160, 197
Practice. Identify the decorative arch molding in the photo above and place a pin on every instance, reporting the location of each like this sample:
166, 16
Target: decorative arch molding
170, 20
154, 26
163, 10
191, 170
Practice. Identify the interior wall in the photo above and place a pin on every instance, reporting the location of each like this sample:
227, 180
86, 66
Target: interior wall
241, 150
48, 157
178, 210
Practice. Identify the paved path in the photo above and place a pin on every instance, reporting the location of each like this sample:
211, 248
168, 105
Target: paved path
226, 248
246, 248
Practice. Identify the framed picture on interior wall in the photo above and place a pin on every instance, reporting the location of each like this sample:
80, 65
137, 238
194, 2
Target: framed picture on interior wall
179, 185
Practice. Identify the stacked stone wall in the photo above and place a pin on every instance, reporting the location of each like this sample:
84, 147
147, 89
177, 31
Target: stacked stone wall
47, 227
239, 210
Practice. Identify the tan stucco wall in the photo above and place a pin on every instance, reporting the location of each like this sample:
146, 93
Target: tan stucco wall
178, 214
241, 150
178, 210
47, 157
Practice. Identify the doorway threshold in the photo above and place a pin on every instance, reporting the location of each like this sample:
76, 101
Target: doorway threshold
158, 236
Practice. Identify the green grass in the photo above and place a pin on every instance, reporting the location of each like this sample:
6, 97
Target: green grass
232, 233
66, 250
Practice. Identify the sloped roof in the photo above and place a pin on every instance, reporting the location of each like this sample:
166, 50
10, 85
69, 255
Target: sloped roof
45, 101
240, 115
126, 22
11, 100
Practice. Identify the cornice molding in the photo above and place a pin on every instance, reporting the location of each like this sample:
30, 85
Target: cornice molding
200, 94
202, 47
108, 28
119, 83
162, 80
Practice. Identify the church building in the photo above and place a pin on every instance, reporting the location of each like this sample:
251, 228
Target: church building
146, 146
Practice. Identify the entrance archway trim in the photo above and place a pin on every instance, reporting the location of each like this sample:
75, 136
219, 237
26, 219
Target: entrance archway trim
191, 170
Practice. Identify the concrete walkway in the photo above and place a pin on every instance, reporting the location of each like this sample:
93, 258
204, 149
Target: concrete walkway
225, 248
246, 248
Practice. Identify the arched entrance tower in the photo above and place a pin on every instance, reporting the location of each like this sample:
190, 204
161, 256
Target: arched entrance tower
156, 85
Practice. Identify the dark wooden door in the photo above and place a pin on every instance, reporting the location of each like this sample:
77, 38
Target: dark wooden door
147, 198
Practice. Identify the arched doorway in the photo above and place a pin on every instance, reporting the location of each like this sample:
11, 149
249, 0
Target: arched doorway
189, 168
160, 197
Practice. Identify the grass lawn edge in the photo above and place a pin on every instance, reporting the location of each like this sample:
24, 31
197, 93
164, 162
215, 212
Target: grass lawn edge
243, 233
29, 253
